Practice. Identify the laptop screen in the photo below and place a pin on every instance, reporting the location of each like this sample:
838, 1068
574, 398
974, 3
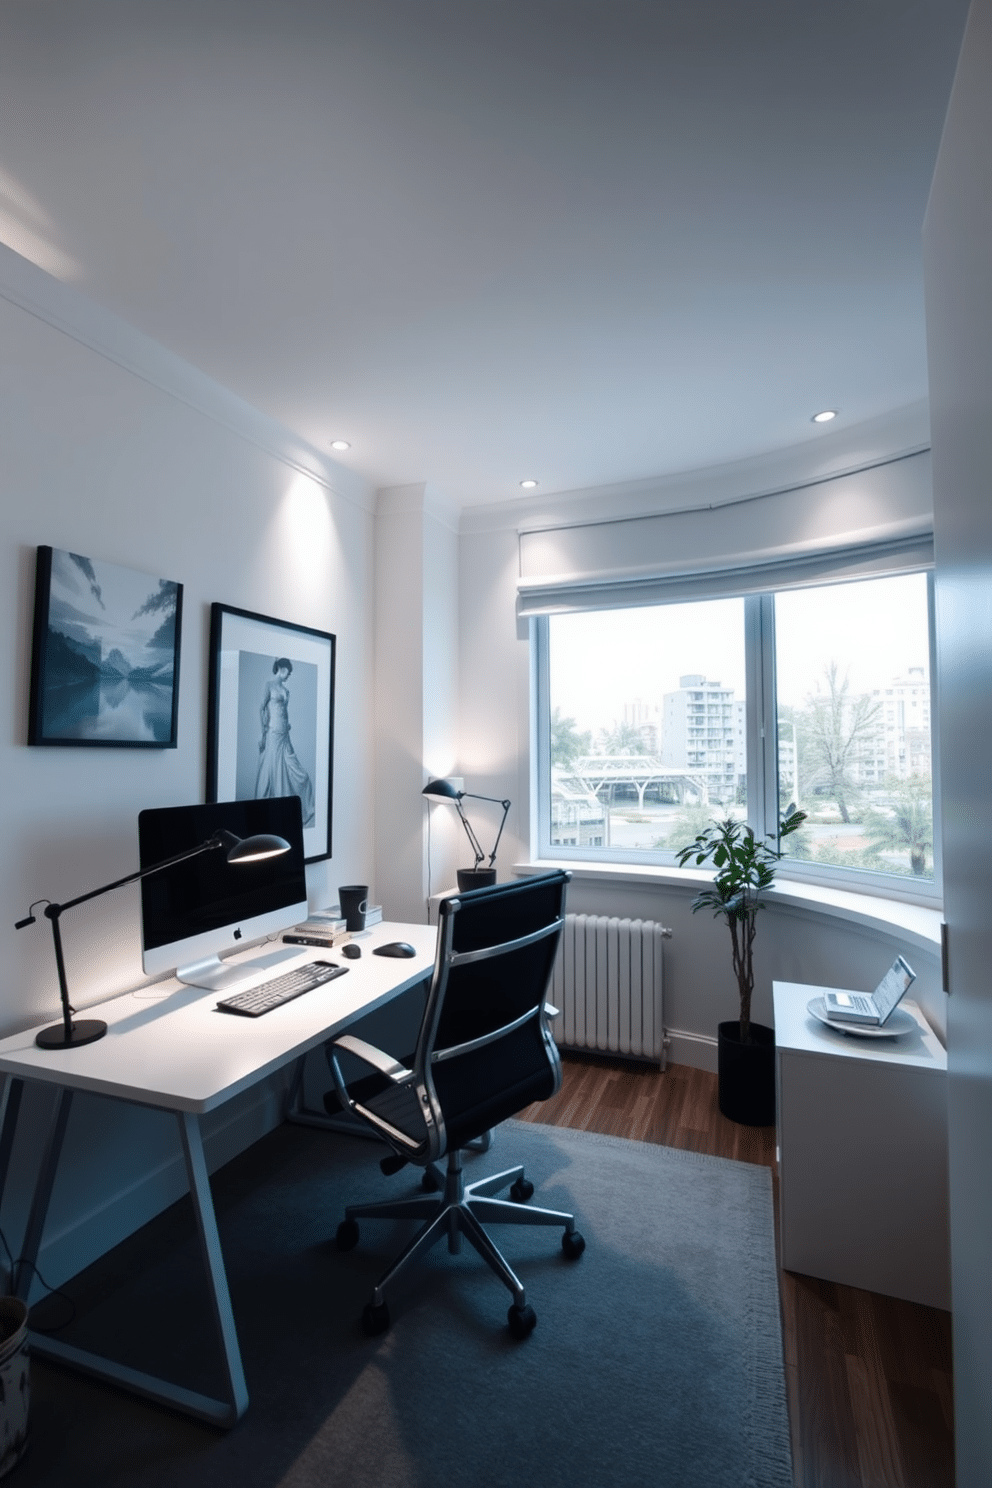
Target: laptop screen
893, 985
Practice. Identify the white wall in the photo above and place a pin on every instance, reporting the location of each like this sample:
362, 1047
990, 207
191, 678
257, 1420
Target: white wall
111, 448
958, 267
494, 696
415, 688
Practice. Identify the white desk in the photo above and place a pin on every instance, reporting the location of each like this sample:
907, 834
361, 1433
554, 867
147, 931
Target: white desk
862, 1135
169, 1048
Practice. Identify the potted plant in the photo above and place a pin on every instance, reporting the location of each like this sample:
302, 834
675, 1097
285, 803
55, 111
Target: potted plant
745, 869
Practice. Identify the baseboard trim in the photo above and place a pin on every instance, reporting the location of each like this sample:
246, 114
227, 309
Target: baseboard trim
697, 1050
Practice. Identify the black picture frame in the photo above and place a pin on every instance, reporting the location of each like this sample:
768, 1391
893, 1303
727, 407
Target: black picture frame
104, 655
268, 734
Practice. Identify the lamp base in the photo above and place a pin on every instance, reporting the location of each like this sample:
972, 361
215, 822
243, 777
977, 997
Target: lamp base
85, 1031
475, 878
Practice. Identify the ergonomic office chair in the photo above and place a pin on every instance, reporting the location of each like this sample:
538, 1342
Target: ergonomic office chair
484, 1051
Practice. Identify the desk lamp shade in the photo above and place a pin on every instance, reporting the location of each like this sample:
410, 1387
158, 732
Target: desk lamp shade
253, 849
70, 1034
474, 877
442, 790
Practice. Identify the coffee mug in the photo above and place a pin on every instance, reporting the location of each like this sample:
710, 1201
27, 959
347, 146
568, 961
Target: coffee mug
353, 901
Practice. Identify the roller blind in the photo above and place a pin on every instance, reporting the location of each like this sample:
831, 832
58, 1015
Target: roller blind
877, 521
831, 566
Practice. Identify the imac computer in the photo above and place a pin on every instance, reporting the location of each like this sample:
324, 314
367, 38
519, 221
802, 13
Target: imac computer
196, 910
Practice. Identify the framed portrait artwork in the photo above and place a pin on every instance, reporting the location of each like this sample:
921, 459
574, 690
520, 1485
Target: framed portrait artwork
104, 655
270, 717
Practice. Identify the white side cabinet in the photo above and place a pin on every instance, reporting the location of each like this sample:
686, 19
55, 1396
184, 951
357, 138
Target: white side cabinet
862, 1145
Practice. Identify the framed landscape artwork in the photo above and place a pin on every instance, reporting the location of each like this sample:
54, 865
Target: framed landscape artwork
104, 656
270, 720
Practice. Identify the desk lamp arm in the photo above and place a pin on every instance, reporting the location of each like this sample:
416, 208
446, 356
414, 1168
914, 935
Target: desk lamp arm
476, 845
506, 806
69, 1034
219, 839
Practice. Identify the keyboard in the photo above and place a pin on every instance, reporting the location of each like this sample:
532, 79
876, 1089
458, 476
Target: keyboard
255, 1001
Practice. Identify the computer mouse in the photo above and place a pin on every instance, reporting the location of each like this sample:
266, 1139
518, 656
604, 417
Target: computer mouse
351, 951
395, 948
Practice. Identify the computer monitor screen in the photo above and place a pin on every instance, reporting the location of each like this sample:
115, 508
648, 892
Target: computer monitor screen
196, 910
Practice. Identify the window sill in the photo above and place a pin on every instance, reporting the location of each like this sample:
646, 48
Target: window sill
918, 925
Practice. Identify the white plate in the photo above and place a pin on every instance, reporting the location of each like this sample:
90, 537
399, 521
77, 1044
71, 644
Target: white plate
898, 1021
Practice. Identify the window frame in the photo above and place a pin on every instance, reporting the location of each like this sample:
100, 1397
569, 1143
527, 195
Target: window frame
762, 756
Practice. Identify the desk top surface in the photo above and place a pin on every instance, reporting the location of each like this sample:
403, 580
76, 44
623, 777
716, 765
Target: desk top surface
167, 1045
796, 1029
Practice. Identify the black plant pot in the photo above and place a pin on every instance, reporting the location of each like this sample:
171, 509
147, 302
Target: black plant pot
475, 878
746, 1074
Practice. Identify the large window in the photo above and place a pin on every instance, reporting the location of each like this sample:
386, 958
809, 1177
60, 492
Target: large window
655, 719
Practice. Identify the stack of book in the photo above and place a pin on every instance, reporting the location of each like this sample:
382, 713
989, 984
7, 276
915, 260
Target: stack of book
323, 927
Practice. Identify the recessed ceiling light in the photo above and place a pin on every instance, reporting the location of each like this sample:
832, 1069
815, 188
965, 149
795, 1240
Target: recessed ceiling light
825, 416
340, 444
528, 485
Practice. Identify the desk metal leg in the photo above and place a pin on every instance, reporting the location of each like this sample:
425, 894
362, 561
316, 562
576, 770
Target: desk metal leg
10, 1105
223, 1412
206, 1222
42, 1195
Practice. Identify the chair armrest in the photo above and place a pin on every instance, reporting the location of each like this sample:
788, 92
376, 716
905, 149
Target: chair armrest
369, 1054
397, 1073
550, 1011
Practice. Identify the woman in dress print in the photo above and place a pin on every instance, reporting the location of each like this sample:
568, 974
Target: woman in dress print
279, 771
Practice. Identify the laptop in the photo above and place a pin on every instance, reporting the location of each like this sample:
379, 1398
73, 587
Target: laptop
871, 1008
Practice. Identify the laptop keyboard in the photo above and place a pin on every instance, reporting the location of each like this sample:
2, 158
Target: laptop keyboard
255, 1001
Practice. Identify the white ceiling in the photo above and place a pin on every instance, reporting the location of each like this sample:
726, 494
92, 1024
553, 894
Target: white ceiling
589, 241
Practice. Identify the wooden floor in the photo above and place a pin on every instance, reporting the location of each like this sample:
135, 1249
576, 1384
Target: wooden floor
868, 1377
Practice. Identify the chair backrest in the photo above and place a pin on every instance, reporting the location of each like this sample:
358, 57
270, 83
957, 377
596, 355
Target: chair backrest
485, 1049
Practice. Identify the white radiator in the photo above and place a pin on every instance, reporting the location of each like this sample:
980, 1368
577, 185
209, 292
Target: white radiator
608, 986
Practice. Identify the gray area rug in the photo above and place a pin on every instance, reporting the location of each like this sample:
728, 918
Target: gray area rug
657, 1357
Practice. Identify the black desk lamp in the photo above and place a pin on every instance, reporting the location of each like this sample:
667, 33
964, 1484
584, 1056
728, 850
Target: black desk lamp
469, 878
70, 1035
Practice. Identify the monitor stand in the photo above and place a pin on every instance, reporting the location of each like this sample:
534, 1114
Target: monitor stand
228, 976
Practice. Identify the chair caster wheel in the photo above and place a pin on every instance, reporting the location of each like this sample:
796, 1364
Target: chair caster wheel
375, 1319
522, 1320
429, 1182
521, 1190
347, 1235
572, 1244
